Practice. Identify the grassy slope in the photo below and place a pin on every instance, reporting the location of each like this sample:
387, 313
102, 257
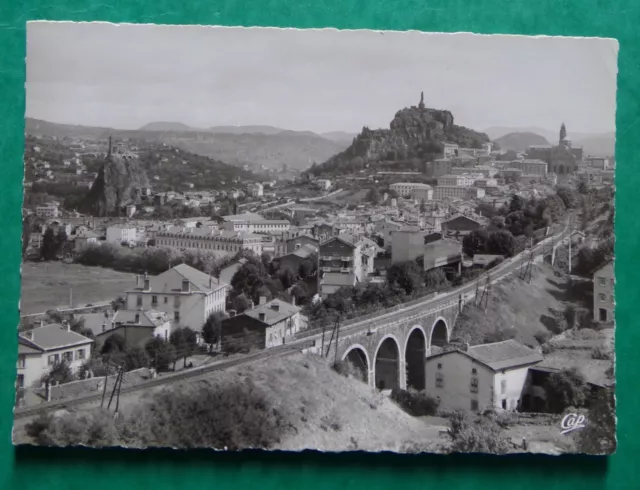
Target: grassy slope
45, 285
522, 309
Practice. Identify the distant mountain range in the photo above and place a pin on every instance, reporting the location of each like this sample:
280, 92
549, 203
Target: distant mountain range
237, 145
597, 144
520, 141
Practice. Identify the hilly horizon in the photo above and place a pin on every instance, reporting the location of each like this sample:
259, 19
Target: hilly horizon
236, 145
520, 141
596, 144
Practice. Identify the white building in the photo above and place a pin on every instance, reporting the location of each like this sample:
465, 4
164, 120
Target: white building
324, 184
254, 223
41, 348
208, 239
48, 211
187, 295
122, 233
457, 192
255, 190
414, 190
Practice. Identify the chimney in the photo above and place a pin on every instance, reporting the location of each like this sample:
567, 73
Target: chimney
66, 326
138, 280
251, 305
263, 300
261, 316
210, 282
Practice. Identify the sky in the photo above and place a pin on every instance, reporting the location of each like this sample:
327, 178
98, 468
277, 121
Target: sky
125, 76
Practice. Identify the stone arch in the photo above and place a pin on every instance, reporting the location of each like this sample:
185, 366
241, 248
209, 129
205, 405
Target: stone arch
386, 371
357, 356
439, 333
415, 352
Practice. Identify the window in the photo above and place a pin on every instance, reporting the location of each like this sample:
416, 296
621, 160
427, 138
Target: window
176, 316
176, 302
439, 380
166, 300
504, 404
20, 381
80, 354
139, 300
603, 297
474, 405
503, 386
603, 281
53, 359
474, 385
474, 371
21, 361
439, 366
68, 356
154, 300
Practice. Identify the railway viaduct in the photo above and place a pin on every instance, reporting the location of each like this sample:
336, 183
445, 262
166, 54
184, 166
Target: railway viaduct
392, 353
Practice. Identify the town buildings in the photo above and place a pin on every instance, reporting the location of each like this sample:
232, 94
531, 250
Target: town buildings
443, 254
208, 239
482, 377
414, 190
603, 296
407, 244
122, 233
530, 167
187, 295
253, 223
269, 324
48, 211
41, 348
344, 260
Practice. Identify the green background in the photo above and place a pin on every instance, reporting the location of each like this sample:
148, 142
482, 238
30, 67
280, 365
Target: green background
108, 469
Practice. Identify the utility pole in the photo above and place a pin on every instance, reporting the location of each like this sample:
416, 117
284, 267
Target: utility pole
570, 232
106, 379
335, 360
324, 327
70, 297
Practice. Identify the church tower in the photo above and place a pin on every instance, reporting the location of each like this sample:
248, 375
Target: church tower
563, 134
421, 104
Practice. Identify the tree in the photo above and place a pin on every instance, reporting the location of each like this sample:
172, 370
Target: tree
565, 389
287, 277
136, 358
161, 353
114, 344
599, 435
27, 224
475, 242
185, 341
516, 203
49, 246
501, 242
212, 328
308, 267
60, 372
373, 195
568, 196
423, 206
406, 275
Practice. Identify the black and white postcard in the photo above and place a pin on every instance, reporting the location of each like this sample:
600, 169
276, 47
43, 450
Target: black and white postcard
331, 240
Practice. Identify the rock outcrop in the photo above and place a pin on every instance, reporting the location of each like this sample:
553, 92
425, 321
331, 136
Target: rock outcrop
118, 184
415, 132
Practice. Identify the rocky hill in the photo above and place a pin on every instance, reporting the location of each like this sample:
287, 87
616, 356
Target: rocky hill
415, 132
118, 184
520, 141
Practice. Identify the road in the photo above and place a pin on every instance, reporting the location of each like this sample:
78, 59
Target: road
311, 338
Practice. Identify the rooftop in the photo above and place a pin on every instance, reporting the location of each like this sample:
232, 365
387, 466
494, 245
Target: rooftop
505, 354
274, 311
53, 336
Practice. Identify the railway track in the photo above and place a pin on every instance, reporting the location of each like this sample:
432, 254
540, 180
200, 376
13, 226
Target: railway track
306, 340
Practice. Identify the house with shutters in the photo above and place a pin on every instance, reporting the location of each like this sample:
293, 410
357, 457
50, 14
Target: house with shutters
186, 294
481, 377
41, 348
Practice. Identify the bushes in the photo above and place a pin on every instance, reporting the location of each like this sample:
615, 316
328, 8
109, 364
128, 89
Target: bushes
233, 417
347, 369
416, 403
601, 353
476, 435
95, 428
567, 388
542, 336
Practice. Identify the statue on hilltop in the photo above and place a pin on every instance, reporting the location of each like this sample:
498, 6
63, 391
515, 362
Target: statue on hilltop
421, 104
